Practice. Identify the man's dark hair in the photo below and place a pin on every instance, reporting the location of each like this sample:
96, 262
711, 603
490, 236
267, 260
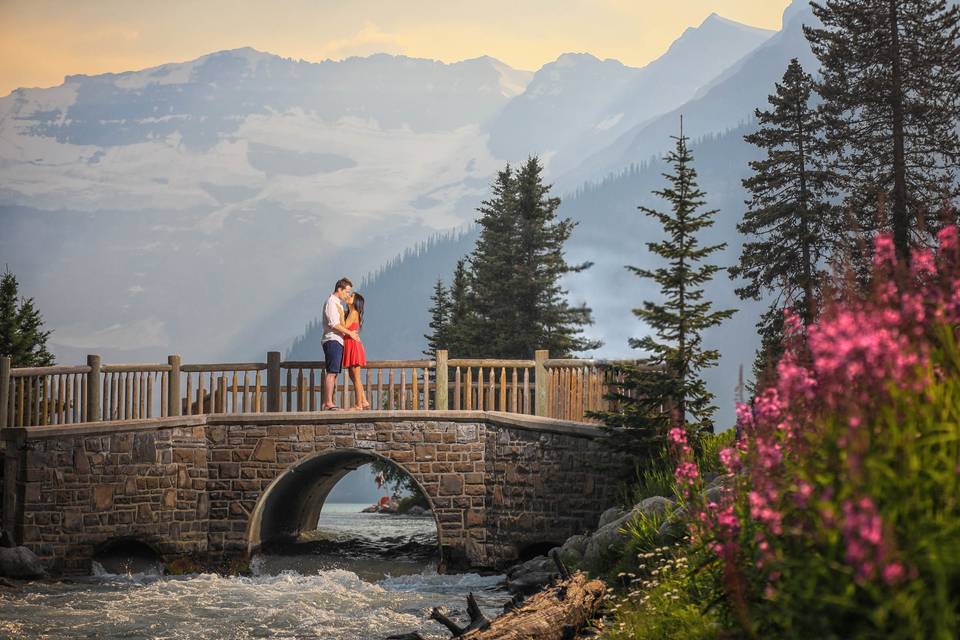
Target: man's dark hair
342, 283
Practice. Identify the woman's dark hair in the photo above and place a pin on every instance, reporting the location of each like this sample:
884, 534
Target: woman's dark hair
358, 305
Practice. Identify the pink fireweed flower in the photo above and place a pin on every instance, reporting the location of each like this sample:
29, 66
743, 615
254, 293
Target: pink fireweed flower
884, 254
744, 415
770, 454
863, 534
730, 458
893, 573
923, 263
687, 473
804, 491
677, 436
947, 239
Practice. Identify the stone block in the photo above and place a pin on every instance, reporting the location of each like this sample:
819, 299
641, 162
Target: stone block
265, 451
183, 455
121, 443
451, 484
103, 497
229, 469
72, 521
170, 499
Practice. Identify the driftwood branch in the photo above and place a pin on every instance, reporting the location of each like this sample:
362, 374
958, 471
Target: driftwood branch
478, 621
562, 568
440, 617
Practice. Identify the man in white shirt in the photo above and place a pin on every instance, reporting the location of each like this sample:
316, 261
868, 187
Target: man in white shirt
332, 341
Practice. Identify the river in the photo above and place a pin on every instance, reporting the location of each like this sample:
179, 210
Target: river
314, 592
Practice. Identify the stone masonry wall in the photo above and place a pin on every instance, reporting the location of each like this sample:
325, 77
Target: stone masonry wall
495, 487
543, 488
80, 492
445, 458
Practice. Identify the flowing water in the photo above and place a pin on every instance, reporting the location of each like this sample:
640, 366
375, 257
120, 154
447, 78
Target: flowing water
338, 585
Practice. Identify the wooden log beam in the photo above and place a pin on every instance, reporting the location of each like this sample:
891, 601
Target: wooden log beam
552, 614
558, 612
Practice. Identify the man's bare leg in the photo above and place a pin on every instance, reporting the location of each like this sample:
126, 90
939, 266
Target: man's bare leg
329, 382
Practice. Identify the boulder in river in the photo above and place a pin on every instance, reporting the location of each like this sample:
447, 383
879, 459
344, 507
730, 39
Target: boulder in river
20, 562
530, 576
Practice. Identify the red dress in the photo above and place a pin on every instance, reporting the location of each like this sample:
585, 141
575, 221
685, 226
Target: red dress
353, 353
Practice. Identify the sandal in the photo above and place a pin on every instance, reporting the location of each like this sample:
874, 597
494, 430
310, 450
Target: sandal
332, 407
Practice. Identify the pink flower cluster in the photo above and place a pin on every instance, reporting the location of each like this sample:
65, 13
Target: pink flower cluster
687, 473
866, 550
842, 367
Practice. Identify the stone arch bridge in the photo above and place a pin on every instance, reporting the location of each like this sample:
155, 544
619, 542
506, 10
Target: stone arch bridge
219, 486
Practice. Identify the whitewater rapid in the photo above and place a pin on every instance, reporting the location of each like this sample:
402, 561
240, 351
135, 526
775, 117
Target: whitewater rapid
289, 597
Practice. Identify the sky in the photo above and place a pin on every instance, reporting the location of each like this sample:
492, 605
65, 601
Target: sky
41, 41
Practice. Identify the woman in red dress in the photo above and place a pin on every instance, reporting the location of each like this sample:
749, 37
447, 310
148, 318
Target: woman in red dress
354, 356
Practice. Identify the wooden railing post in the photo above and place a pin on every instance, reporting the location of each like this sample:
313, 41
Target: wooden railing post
173, 386
4, 390
93, 389
540, 381
441, 400
273, 381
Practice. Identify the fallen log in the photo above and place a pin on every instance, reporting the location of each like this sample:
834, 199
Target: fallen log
556, 613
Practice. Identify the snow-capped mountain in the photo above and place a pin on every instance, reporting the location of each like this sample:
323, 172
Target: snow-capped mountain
725, 101
191, 182
201, 206
578, 104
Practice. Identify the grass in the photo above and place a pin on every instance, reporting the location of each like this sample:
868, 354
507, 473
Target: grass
662, 599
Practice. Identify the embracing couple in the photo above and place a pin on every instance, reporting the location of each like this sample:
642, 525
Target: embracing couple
342, 348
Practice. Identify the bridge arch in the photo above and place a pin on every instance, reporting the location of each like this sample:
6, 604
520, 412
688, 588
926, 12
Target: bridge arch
292, 503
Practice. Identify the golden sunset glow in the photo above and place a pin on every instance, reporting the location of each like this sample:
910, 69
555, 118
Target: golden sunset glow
41, 41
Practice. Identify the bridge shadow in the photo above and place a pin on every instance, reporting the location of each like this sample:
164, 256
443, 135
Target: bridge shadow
285, 519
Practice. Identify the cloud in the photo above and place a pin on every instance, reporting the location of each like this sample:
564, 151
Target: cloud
368, 40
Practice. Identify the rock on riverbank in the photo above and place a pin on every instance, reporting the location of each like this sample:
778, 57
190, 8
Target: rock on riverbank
591, 551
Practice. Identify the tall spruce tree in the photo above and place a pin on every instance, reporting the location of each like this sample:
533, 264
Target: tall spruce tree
513, 302
790, 223
460, 325
22, 337
491, 273
545, 320
672, 370
890, 71
439, 320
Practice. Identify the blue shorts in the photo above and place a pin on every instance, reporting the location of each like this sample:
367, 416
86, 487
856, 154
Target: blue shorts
332, 356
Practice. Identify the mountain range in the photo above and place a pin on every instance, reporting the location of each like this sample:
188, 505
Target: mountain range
206, 207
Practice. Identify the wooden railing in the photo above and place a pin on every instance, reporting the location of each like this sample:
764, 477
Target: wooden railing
568, 389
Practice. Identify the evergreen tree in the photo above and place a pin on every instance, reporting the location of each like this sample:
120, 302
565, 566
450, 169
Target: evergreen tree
459, 339
21, 328
890, 72
789, 221
492, 271
439, 320
671, 372
510, 302
544, 318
